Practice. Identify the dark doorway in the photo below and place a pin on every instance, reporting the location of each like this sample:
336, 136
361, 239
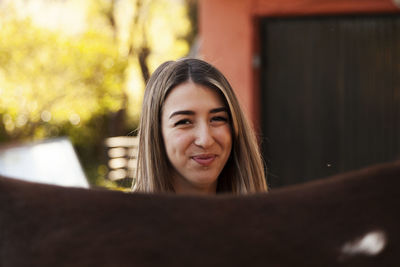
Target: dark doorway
330, 95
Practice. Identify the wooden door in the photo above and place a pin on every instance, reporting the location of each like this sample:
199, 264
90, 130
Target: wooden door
330, 91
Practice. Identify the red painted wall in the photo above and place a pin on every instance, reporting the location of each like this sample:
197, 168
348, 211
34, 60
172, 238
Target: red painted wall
226, 34
228, 30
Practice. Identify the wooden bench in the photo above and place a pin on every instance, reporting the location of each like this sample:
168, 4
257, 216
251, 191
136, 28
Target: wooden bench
122, 155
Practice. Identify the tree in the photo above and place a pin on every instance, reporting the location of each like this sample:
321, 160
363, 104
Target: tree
87, 85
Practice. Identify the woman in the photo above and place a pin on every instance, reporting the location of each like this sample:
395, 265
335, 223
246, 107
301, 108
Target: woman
193, 136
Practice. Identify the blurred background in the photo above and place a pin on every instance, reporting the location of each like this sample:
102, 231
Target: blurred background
77, 69
319, 80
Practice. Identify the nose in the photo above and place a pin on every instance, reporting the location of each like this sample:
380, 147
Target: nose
204, 137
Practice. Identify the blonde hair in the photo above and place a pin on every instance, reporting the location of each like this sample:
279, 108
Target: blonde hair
244, 171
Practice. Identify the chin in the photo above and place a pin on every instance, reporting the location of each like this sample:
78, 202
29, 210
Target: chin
203, 180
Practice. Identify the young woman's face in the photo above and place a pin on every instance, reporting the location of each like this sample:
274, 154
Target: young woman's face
197, 137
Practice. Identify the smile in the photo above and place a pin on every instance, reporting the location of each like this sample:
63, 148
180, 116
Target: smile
204, 160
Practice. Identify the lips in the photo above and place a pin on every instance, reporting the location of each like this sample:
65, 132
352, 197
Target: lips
204, 160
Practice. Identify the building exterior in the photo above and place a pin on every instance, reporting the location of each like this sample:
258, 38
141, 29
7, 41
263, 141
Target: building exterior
349, 50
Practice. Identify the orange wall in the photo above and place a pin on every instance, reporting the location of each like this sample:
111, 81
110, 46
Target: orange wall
228, 30
226, 33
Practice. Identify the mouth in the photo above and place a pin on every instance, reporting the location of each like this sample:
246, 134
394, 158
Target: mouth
204, 160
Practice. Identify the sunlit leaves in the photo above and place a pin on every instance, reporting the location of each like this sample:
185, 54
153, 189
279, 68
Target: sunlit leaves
70, 74
43, 72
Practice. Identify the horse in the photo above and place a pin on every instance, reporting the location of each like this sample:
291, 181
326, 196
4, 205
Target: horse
350, 219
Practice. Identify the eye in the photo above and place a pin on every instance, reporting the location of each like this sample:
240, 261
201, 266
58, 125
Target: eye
219, 119
182, 122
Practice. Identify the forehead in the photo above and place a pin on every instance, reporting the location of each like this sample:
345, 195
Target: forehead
192, 96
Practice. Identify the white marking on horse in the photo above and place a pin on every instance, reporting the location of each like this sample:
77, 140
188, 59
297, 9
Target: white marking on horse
370, 244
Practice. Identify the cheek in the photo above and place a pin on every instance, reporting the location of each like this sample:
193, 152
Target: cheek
177, 142
224, 136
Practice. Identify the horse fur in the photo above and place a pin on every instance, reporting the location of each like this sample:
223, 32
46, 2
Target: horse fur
335, 221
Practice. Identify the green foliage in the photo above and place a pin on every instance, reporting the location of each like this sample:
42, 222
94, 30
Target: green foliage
46, 77
86, 85
53, 84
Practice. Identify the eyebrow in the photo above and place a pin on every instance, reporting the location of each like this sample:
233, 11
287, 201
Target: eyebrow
221, 109
189, 112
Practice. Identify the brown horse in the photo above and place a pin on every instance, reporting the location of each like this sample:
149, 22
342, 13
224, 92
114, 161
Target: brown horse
350, 219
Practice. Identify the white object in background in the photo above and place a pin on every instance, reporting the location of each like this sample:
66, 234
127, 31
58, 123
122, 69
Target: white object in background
52, 161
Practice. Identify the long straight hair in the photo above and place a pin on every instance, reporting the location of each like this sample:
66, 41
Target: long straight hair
244, 171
